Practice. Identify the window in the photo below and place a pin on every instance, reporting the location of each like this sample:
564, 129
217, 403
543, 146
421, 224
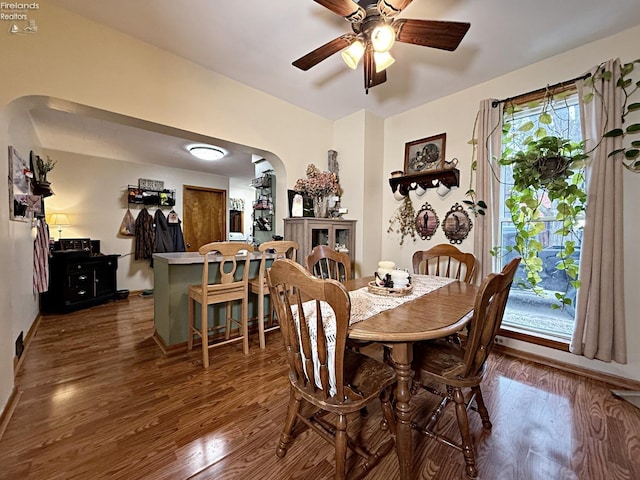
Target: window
531, 309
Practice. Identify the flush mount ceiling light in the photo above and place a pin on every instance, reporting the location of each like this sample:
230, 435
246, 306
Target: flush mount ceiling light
206, 152
374, 32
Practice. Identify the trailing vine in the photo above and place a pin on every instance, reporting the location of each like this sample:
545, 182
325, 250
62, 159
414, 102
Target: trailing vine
630, 155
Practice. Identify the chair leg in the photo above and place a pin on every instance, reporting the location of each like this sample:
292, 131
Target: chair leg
463, 425
341, 448
389, 420
204, 322
482, 409
261, 319
227, 314
289, 424
245, 324
190, 324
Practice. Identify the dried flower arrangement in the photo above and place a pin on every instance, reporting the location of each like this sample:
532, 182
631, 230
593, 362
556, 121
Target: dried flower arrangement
317, 184
405, 218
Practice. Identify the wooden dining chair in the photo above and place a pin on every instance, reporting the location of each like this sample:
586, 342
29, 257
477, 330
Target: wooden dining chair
220, 287
273, 250
445, 260
325, 262
314, 319
461, 367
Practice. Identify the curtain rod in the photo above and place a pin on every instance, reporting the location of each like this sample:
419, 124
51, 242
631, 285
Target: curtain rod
495, 103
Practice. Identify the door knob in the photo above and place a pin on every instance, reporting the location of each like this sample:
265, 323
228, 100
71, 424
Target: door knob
188, 245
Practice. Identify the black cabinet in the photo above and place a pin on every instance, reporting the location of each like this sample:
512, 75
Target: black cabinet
78, 281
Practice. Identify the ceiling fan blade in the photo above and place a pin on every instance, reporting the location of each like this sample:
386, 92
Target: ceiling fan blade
371, 77
431, 33
391, 8
345, 8
323, 52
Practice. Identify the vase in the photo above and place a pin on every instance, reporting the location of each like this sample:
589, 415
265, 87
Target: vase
321, 207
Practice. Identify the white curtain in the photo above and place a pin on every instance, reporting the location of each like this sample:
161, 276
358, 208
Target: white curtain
489, 137
599, 330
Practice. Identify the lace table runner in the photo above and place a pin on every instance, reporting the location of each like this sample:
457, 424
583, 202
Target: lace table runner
363, 305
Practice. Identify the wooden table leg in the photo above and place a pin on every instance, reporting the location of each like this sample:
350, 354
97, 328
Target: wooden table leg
401, 354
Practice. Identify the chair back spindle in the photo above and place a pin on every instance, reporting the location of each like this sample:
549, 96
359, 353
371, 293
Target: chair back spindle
445, 261
324, 262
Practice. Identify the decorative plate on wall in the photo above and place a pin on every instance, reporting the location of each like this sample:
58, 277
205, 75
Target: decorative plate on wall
426, 222
456, 224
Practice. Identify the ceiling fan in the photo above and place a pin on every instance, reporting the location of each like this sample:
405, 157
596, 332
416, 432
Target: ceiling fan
374, 32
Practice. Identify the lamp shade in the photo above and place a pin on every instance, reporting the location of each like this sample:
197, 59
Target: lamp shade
353, 54
382, 38
383, 60
59, 220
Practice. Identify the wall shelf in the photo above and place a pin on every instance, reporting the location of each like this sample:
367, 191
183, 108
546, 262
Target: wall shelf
148, 197
449, 177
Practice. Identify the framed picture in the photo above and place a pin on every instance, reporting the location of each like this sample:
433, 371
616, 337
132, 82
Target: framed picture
456, 224
427, 222
22, 203
424, 155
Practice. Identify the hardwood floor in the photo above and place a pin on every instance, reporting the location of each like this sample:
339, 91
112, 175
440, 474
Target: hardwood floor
99, 401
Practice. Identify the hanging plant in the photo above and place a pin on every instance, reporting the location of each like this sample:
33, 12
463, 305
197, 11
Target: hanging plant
403, 220
547, 170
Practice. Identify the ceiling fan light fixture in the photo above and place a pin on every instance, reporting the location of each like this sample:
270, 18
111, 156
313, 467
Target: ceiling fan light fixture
383, 60
206, 152
353, 54
382, 38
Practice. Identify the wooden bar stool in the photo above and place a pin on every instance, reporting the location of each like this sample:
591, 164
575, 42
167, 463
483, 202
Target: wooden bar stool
226, 291
276, 249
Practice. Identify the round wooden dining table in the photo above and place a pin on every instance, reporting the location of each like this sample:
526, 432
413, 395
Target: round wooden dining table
437, 314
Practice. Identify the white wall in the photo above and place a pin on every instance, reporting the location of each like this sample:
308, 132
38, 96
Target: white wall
359, 141
455, 115
18, 304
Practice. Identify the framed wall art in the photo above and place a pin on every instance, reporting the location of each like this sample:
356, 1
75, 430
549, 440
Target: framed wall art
23, 204
456, 224
427, 222
424, 155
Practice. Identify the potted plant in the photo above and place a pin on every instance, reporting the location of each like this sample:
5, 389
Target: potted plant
44, 167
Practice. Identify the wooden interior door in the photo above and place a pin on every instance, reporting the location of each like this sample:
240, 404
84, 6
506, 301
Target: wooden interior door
204, 216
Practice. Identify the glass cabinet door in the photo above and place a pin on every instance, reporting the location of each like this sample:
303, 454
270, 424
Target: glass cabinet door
342, 240
320, 236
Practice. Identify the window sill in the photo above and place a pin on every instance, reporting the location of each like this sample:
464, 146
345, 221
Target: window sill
548, 341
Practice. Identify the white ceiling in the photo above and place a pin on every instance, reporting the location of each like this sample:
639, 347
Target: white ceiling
255, 41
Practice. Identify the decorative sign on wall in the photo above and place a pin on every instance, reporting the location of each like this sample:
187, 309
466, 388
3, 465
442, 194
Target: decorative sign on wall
23, 204
149, 184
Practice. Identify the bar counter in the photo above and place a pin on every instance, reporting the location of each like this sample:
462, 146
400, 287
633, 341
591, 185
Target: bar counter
172, 275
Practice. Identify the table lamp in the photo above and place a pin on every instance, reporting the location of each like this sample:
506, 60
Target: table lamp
59, 220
